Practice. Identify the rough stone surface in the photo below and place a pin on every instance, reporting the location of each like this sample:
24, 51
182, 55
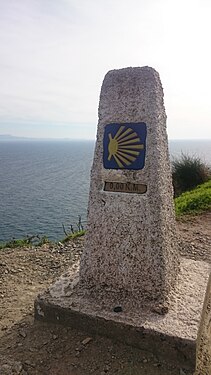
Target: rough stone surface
171, 337
131, 245
204, 337
129, 284
43, 265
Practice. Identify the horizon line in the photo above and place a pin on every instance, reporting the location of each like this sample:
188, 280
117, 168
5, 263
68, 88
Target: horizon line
14, 137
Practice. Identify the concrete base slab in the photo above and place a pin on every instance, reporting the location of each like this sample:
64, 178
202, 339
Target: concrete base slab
172, 337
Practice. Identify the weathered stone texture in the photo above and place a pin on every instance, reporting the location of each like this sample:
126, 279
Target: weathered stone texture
131, 258
131, 245
203, 363
172, 337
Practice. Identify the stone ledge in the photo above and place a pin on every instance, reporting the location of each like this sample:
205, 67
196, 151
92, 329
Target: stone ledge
172, 337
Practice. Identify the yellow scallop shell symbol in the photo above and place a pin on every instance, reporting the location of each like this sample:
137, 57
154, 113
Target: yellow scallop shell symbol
125, 147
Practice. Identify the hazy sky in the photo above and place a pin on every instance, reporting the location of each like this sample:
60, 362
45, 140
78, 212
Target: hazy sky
54, 55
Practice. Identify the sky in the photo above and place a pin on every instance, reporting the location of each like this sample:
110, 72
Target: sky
54, 55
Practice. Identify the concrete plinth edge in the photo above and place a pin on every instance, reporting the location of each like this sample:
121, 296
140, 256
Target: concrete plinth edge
172, 337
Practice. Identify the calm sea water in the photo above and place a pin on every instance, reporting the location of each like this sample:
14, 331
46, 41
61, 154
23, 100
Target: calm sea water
45, 184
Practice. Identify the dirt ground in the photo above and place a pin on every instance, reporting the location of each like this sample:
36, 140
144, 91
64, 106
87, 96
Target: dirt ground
28, 347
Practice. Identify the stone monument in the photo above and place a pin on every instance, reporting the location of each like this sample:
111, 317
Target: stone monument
131, 249
131, 284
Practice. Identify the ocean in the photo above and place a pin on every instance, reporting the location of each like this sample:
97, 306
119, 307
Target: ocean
44, 185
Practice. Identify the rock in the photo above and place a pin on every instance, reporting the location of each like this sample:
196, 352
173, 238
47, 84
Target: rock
10, 368
17, 367
160, 309
29, 363
23, 334
12, 270
32, 349
5, 370
106, 368
86, 341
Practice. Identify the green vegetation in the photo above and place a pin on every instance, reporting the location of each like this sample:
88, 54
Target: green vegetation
14, 243
73, 233
71, 236
194, 201
187, 173
25, 242
192, 185
37, 241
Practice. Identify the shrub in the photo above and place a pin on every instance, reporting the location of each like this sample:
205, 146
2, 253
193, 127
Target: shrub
194, 201
188, 172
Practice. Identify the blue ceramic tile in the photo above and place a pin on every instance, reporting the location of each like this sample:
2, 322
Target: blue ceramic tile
124, 146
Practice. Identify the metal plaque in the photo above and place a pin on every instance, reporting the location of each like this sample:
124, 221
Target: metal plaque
125, 187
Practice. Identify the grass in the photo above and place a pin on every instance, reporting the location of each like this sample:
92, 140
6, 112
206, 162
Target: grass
25, 242
188, 172
36, 241
195, 201
71, 236
14, 243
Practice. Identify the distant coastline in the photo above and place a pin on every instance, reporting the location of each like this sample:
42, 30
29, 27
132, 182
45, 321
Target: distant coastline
13, 138
8, 137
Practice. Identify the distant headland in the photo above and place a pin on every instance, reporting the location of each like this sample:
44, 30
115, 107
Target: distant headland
13, 138
8, 137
